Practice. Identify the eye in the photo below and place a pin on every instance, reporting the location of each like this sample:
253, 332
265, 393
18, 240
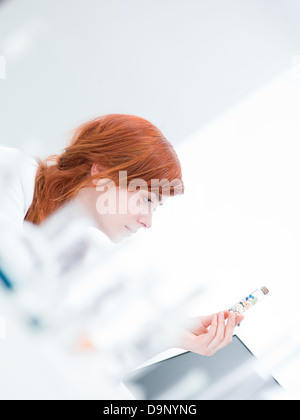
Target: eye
148, 200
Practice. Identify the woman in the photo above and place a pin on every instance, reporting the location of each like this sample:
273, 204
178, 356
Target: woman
121, 167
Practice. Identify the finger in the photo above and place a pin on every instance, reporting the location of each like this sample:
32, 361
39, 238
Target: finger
226, 314
229, 330
239, 319
219, 336
207, 320
212, 330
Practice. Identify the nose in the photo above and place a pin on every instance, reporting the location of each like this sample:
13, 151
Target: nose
145, 220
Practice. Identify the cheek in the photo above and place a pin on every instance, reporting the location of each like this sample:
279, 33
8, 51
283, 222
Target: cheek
119, 221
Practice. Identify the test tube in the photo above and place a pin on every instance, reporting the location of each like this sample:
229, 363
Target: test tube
249, 301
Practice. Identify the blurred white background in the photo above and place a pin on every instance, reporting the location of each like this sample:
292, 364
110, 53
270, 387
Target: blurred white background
177, 63
222, 81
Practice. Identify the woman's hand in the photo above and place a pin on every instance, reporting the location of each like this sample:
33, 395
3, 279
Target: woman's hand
206, 335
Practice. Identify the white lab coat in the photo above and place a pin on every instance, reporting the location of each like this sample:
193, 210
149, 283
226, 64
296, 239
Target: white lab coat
17, 179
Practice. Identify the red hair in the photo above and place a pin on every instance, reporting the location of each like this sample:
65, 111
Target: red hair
116, 143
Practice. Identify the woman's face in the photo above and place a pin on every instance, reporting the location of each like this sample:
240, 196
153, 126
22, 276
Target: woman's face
126, 213
119, 213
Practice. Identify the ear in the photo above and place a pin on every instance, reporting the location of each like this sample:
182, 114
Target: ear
96, 169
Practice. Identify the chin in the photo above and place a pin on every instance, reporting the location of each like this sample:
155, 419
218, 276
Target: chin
112, 236
116, 238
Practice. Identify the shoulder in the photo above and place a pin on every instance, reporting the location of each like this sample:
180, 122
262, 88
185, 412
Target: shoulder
17, 165
18, 171
9, 154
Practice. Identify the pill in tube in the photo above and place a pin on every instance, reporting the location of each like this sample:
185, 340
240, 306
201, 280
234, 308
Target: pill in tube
249, 301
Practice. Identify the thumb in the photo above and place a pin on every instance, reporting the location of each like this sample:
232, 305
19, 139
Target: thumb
239, 319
